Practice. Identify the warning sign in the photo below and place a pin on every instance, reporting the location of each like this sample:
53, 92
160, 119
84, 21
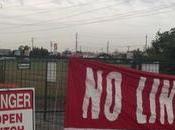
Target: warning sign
17, 109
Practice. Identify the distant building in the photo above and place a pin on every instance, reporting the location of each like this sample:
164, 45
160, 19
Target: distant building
66, 53
89, 55
16, 53
26, 52
129, 55
5, 52
104, 55
77, 54
119, 55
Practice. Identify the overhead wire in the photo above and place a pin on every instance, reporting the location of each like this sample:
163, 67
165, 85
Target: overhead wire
98, 46
77, 14
136, 13
20, 6
65, 17
45, 11
151, 12
105, 36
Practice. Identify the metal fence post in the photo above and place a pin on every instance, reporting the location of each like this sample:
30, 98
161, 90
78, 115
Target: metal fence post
4, 70
45, 93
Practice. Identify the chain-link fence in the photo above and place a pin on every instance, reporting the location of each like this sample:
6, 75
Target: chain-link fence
49, 78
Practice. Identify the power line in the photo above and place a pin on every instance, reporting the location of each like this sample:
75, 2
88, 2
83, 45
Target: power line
107, 48
35, 24
62, 18
128, 47
138, 13
47, 11
33, 13
99, 44
22, 6
130, 13
32, 40
109, 19
76, 42
105, 36
47, 21
146, 42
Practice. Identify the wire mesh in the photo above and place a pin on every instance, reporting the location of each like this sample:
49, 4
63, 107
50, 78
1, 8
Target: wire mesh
49, 78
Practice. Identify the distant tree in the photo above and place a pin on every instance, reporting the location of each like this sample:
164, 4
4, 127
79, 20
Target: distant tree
39, 52
163, 47
138, 57
66, 53
138, 54
26, 48
23, 48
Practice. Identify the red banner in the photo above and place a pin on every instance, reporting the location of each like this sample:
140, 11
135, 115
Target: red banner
103, 96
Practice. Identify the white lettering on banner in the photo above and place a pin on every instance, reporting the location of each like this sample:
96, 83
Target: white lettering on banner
152, 98
166, 101
141, 118
94, 89
94, 94
112, 116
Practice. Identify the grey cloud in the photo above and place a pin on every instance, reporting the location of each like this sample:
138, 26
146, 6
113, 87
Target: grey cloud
71, 2
137, 26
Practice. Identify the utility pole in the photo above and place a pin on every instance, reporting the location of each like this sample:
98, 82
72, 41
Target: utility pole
107, 48
146, 42
80, 48
32, 40
51, 46
76, 42
128, 48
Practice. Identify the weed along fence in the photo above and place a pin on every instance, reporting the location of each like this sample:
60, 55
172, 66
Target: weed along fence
49, 78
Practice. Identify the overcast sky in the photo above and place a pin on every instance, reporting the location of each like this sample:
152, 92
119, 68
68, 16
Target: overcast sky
122, 22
